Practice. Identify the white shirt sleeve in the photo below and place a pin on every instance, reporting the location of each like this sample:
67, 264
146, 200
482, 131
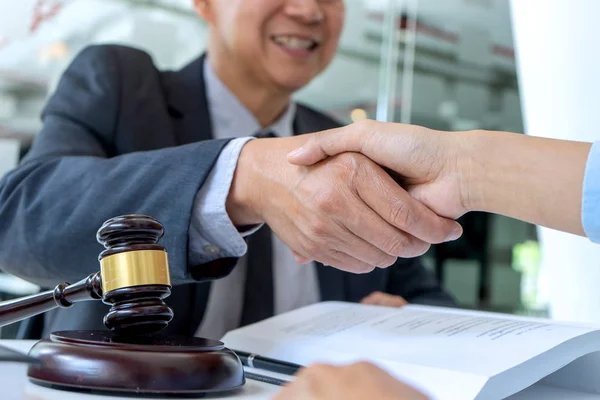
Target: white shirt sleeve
212, 235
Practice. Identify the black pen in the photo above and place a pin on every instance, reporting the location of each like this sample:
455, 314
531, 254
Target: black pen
268, 364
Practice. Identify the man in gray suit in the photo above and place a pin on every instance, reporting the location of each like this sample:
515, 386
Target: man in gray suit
121, 137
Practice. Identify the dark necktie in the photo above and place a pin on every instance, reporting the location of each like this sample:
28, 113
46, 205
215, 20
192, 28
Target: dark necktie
259, 286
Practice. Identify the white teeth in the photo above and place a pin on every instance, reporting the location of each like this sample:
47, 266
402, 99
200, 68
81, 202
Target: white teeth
294, 42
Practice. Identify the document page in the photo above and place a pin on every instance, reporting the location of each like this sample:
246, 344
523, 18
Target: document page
472, 342
580, 375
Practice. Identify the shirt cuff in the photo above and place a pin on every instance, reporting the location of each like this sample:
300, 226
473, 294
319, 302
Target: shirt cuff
212, 235
590, 212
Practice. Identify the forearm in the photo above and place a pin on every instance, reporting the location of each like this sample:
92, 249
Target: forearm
51, 209
529, 178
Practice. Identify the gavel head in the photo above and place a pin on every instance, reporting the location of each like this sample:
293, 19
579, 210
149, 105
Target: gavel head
135, 275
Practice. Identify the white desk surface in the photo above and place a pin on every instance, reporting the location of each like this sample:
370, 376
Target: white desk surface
16, 386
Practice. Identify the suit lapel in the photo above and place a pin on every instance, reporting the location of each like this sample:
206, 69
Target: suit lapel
188, 106
303, 122
187, 103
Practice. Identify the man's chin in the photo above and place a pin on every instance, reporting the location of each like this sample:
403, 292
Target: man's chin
292, 82
293, 85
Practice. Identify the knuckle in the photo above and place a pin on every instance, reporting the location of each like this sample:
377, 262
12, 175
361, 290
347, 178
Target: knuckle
312, 248
396, 245
350, 168
365, 125
383, 259
319, 228
367, 171
327, 201
402, 214
415, 247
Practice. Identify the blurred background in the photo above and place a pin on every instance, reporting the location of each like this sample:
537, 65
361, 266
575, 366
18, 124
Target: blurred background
444, 64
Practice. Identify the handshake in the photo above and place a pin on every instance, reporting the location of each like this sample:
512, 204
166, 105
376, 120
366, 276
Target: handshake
329, 197
419, 198
359, 196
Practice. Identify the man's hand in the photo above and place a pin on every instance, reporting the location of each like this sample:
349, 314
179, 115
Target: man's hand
384, 299
346, 211
429, 162
357, 381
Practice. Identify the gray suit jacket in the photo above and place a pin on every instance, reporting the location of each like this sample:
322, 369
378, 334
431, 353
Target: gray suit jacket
120, 137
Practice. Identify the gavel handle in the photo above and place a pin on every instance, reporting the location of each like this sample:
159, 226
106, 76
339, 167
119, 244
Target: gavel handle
64, 295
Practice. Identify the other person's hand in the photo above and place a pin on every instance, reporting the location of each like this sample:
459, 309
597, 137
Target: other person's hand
346, 211
532, 179
384, 299
358, 381
428, 162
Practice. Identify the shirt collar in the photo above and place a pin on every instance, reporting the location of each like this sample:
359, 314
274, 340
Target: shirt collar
229, 116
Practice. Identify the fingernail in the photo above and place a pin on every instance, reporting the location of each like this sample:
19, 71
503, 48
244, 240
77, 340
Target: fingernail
296, 152
455, 234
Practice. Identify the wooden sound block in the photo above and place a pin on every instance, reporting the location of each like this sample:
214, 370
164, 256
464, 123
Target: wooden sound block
101, 361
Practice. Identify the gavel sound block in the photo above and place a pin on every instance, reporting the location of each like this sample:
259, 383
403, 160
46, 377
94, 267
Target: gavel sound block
133, 357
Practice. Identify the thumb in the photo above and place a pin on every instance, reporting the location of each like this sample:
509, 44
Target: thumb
325, 144
309, 154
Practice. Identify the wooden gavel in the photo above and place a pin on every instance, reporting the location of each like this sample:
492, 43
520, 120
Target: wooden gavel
131, 358
133, 279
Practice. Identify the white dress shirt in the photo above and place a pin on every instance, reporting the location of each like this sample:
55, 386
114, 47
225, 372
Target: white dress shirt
213, 235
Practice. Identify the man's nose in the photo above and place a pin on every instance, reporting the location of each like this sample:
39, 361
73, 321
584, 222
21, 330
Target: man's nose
306, 11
